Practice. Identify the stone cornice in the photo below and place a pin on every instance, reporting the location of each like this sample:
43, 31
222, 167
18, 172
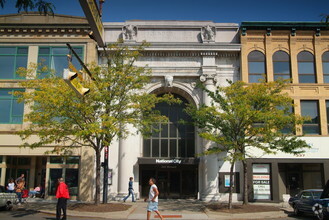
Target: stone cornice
186, 53
83, 29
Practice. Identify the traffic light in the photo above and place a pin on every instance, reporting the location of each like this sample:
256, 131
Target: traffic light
71, 79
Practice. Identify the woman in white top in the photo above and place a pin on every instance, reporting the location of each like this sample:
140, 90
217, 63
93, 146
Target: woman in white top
153, 200
11, 186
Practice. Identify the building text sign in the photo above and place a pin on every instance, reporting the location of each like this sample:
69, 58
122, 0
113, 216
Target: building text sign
168, 161
261, 181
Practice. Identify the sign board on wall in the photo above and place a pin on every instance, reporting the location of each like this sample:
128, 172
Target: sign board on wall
261, 181
91, 11
227, 181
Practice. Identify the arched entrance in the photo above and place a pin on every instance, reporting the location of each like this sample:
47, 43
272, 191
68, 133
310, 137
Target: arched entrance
169, 154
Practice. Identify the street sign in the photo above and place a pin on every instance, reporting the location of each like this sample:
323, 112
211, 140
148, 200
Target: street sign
93, 16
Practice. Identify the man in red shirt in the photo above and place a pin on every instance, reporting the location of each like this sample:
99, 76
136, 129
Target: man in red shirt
62, 194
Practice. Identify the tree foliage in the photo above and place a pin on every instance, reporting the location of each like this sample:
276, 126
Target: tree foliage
242, 119
59, 116
44, 7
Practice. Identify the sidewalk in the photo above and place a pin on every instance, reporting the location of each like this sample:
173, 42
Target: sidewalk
171, 209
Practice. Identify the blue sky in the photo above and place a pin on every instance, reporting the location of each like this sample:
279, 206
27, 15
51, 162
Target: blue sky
215, 10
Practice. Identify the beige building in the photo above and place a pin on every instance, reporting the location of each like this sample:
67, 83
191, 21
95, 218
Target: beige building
300, 52
33, 38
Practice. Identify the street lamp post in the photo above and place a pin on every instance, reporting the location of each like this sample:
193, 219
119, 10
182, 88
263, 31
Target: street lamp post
106, 174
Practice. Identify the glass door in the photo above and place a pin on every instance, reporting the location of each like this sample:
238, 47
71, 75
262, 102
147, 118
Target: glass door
163, 184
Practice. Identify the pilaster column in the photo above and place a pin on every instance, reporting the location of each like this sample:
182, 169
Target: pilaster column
269, 60
293, 59
209, 163
129, 151
318, 59
32, 172
3, 171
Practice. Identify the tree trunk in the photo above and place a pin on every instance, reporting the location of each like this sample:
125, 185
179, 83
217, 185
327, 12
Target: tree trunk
98, 177
231, 186
245, 183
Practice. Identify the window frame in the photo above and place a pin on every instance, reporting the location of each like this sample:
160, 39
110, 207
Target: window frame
260, 76
15, 55
309, 123
51, 55
279, 74
12, 99
301, 61
325, 74
177, 141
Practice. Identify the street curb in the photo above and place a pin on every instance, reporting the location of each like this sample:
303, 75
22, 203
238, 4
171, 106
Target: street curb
251, 215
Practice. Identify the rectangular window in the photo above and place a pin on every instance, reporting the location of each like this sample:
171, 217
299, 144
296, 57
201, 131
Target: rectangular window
11, 112
281, 70
256, 71
289, 129
54, 175
306, 72
11, 58
72, 160
57, 160
55, 59
326, 71
311, 109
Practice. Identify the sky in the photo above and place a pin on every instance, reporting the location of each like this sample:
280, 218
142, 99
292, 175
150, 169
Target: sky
229, 11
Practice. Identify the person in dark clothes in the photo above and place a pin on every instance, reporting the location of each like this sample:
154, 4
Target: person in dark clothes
130, 190
62, 194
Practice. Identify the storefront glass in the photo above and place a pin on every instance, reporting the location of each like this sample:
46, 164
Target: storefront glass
54, 175
72, 180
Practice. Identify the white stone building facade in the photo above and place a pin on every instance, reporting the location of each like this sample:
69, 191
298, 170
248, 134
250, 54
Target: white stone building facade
181, 54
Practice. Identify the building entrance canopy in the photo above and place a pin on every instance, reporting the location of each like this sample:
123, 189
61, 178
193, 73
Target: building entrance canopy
168, 161
176, 178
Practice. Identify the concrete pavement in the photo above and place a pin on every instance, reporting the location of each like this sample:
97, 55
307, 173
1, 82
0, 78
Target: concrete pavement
171, 209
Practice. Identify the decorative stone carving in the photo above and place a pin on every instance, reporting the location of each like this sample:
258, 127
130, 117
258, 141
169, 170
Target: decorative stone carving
207, 77
169, 81
208, 34
203, 78
129, 32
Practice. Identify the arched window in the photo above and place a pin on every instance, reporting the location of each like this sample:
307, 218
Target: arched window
306, 68
325, 66
173, 138
256, 66
281, 65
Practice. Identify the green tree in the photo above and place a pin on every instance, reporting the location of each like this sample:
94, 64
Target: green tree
243, 118
43, 6
59, 116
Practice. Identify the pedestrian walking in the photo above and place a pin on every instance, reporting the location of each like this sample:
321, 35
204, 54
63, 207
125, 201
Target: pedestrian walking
153, 200
62, 194
130, 190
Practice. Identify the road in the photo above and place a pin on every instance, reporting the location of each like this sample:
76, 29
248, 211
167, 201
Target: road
33, 215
